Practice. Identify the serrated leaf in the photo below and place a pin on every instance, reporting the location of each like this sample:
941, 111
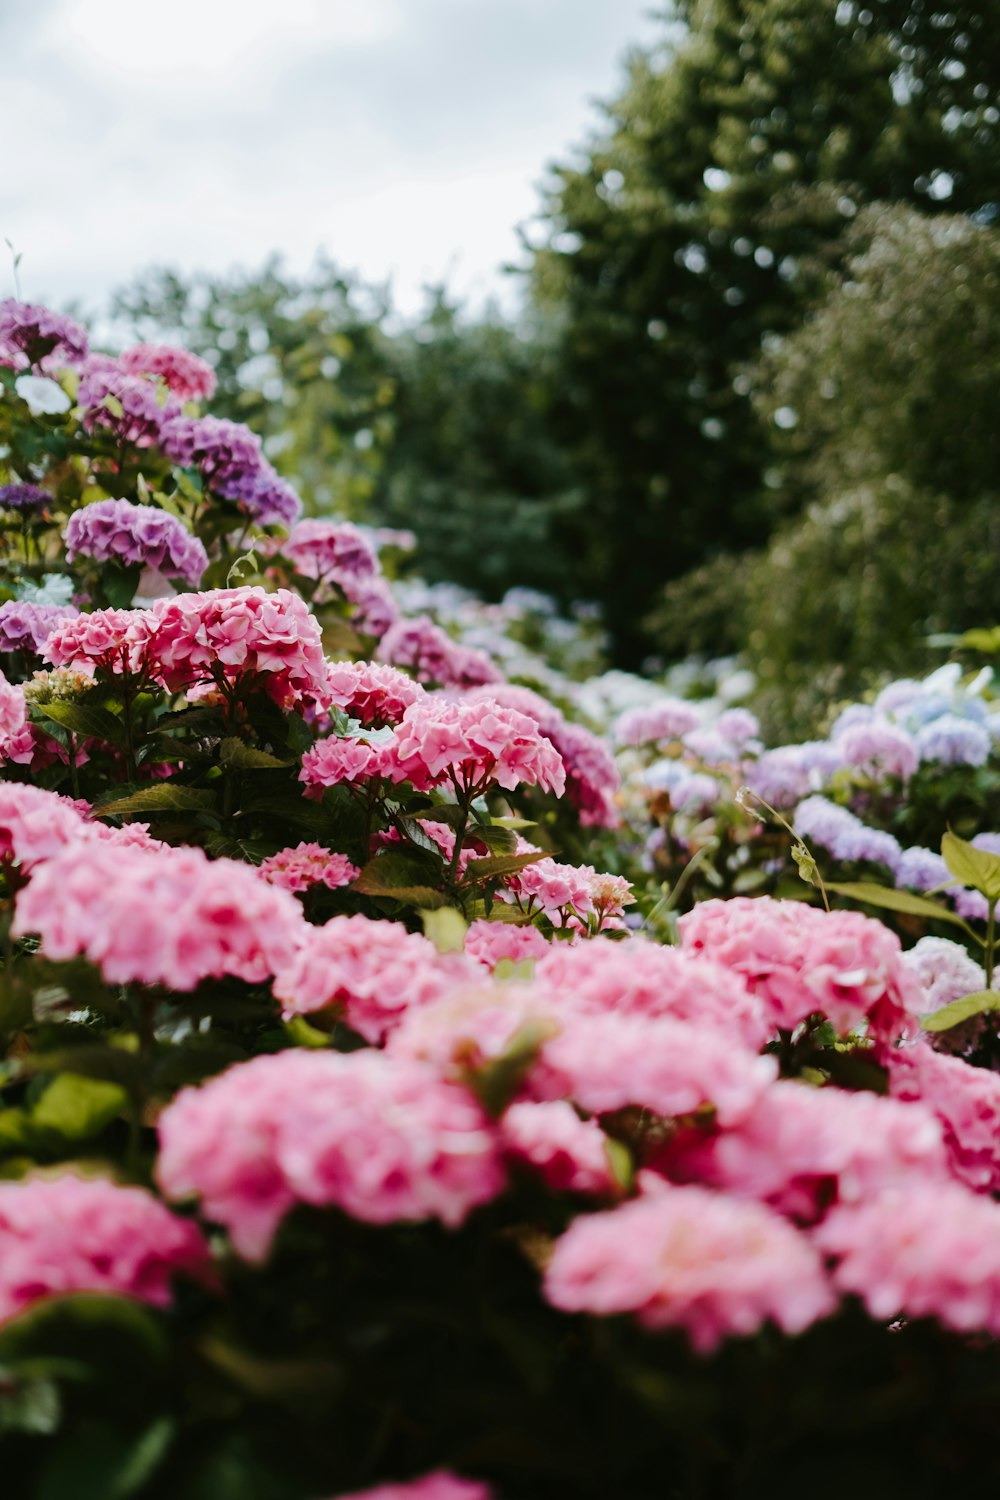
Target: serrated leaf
974, 867
87, 720
497, 840
119, 584
890, 899
499, 865
162, 798
961, 1010
233, 752
446, 812
445, 927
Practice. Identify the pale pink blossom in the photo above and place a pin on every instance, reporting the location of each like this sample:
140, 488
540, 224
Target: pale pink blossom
36, 825
666, 719
926, 1250
799, 1148
639, 978
555, 890
570, 1154
687, 1258
375, 694
493, 942
158, 916
433, 657
330, 551
336, 760
383, 1138
965, 1099
116, 641
802, 961
473, 746
307, 864
370, 971
470, 1026
71, 1234
183, 373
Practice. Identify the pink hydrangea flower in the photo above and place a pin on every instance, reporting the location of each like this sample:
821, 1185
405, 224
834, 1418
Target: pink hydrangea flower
438, 1486
879, 748
555, 890
433, 657
299, 868
375, 608
610, 1062
945, 971
242, 635
26, 627
492, 942
799, 1146
592, 778
115, 641
375, 694
644, 979
473, 746
35, 825
17, 737
122, 404
374, 971
71, 1234
34, 335
116, 531
925, 1250
336, 760
160, 916
965, 1099
569, 1154
330, 551
687, 1258
801, 961
383, 1138
187, 376
666, 719
470, 1025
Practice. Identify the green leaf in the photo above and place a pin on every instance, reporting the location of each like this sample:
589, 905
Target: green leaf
102, 1462
972, 866
233, 752
304, 1035
497, 840
86, 720
496, 1084
987, 641
961, 1010
76, 1107
887, 897
621, 1163
119, 584
29, 1406
161, 798
403, 878
446, 928
85, 1325
500, 864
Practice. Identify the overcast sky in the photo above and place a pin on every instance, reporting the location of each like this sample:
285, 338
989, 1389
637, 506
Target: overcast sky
405, 137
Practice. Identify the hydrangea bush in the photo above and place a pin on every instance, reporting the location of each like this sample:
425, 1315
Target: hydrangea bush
363, 1131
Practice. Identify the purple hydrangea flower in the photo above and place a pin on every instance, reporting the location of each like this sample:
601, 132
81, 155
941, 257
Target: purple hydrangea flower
879, 748
990, 842
953, 741
780, 776
135, 415
116, 530
24, 497
26, 627
36, 336
921, 869
843, 835
229, 458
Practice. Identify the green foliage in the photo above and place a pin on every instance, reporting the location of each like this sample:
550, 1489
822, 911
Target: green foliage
698, 227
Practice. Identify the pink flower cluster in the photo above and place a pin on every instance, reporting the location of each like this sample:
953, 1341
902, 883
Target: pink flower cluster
473, 746
242, 635
335, 761
183, 373
26, 627
307, 864
35, 824
592, 779
158, 916
383, 1138
18, 738
72, 1234
433, 657
231, 463
803, 961
555, 890
490, 943
373, 971
117, 531
687, 1258
369, 691
331, 552
34, 335
666, 719
966, 1100
115, 641
438, 1486
569, 1154
122, 404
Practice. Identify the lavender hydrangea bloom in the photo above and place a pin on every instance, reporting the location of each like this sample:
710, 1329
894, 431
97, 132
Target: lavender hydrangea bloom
990, 842
229, 458
921, 869
24, 497
263, 495
33, 335
953, 741
26, 627
126, 405
116, 530
879, 747
843, 835
780, 777
850, 717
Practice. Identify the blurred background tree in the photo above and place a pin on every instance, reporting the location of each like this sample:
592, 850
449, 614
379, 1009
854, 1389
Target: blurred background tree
623, 434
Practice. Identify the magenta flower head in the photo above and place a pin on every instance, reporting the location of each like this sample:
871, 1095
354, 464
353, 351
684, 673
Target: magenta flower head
117, 531
184, 374
473, 746
37, 336
26, 627
122, 404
